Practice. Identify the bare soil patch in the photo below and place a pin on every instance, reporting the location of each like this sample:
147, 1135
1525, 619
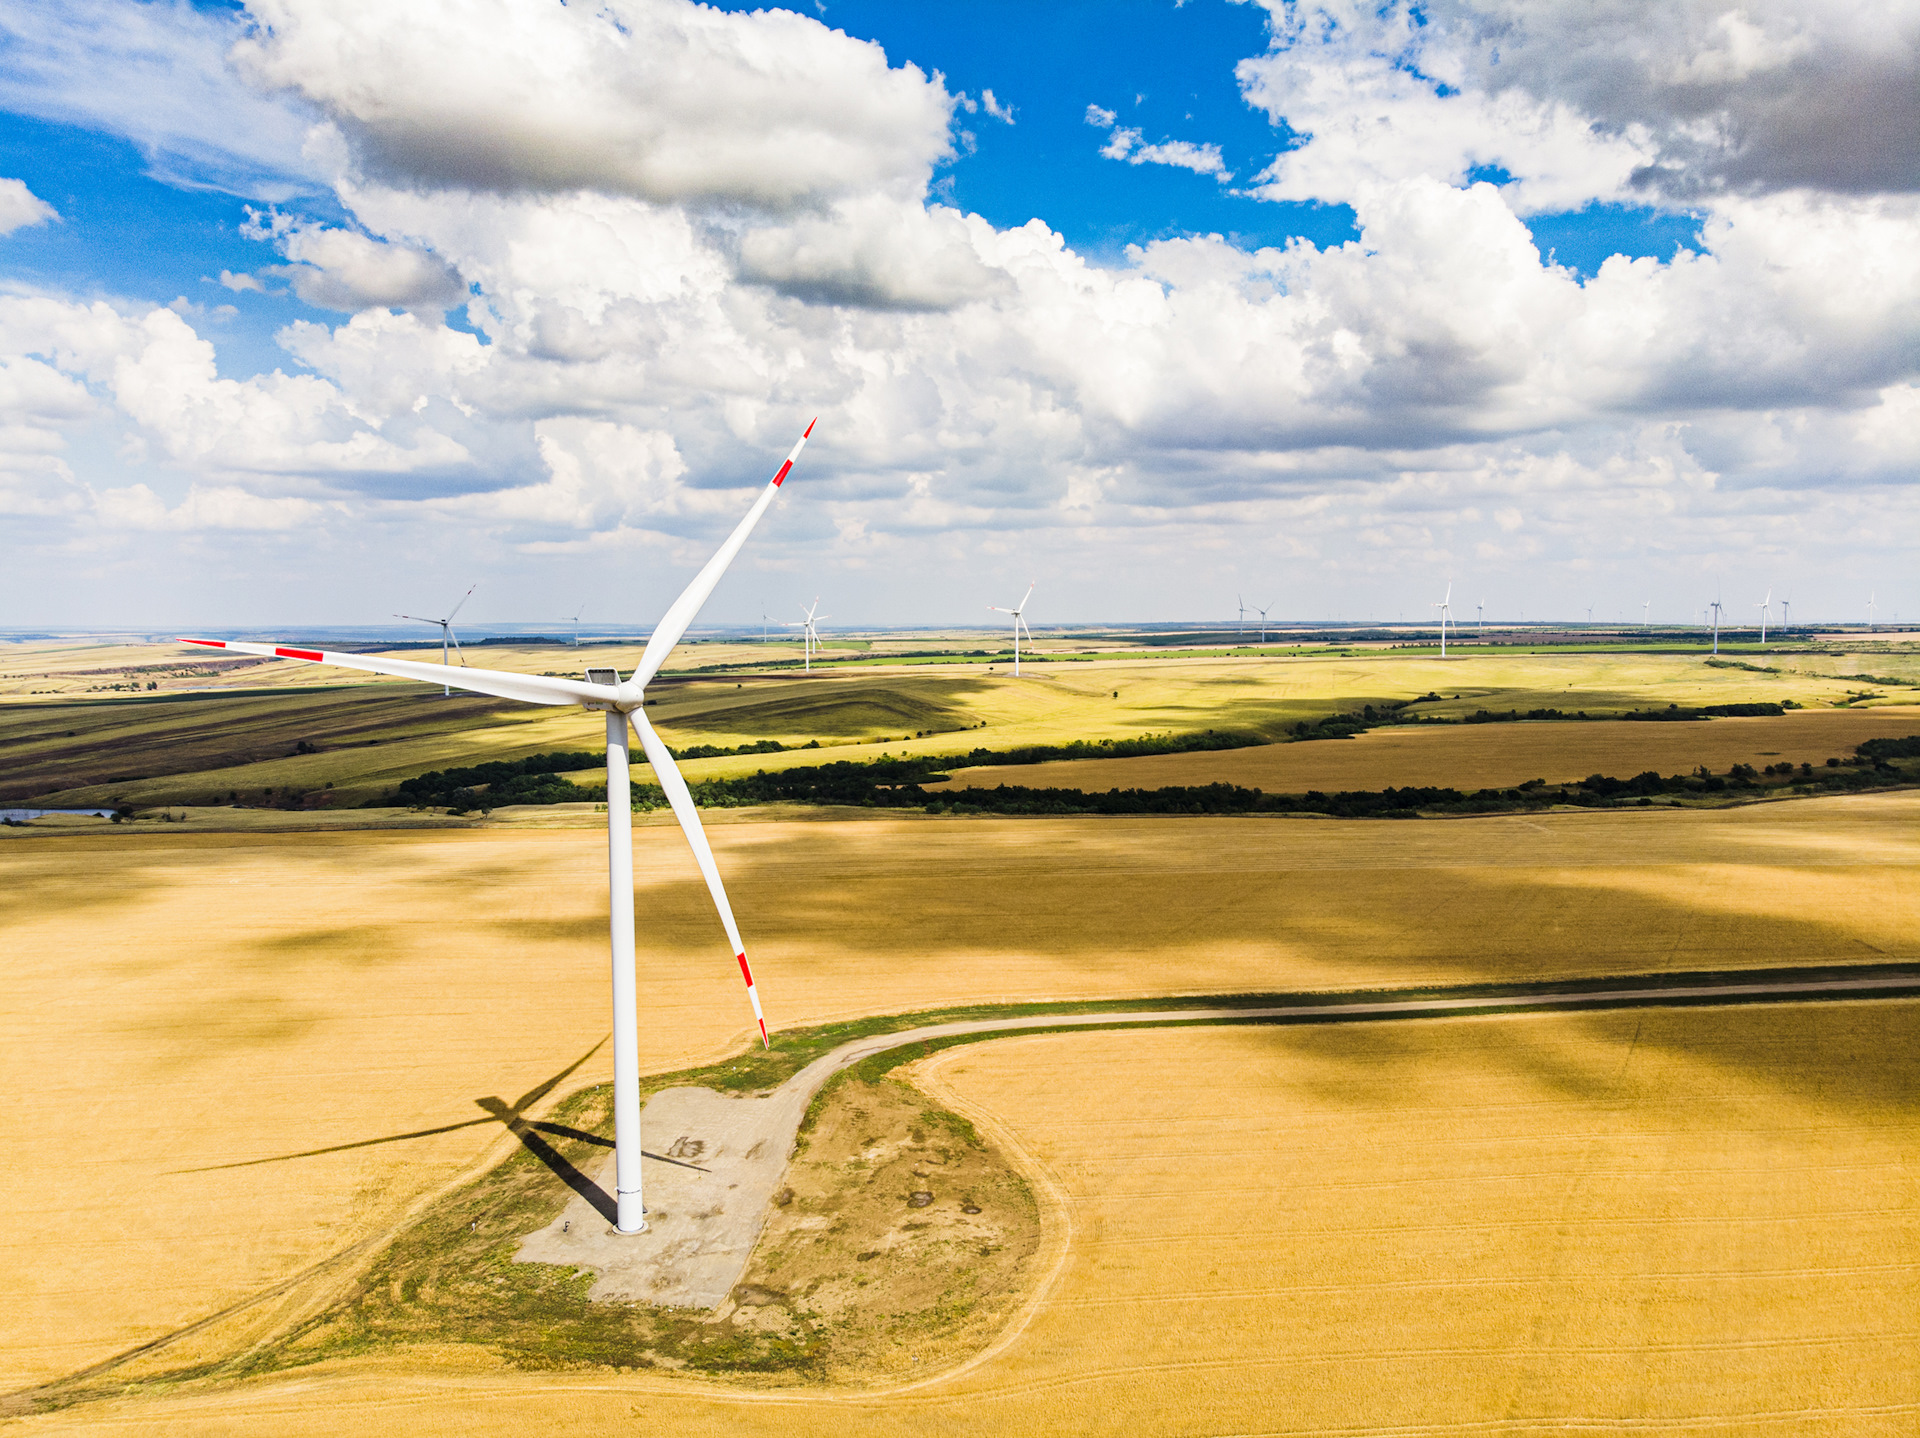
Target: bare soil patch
904, 1242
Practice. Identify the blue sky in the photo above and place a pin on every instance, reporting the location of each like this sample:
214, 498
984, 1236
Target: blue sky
1166, 69
1411, 392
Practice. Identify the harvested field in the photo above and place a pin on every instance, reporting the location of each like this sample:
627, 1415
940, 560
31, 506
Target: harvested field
1660, 1220
206, 748
218, 999
1478, 756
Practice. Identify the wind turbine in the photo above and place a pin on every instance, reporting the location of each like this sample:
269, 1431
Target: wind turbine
1445, 607
574, 620
1480, 621
446, 631
1646, 616
622, 701
1715, 607
1240, 630
1765, 607
1263, 619
1020, 623
809, 636
1786, 614
1869, 609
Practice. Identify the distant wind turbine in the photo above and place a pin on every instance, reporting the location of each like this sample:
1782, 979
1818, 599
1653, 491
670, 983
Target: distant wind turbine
1869, 610
1715, 607
446, 632
1020, 623
574, 620
1646, 616
1480, 620
1445, 606
810, 634
1240, 630
1765, 607
1786, 614
1263, 619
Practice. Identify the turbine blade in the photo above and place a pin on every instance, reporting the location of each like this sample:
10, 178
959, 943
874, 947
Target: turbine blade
456, 646
668, 773
463, 602
681, 614
527, 688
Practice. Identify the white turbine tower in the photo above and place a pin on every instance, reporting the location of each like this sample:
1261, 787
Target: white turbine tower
1240, 626
1786, 614
1646, 616
809, 635
1870, 610
1715, 607
1445, 606
1020, 623
622, 702
574, 620
446, 630
1263, 619
1765, 607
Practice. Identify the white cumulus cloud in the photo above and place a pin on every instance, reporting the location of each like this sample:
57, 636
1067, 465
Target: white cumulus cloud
20, 207
661, 99
1129, 144
681, 233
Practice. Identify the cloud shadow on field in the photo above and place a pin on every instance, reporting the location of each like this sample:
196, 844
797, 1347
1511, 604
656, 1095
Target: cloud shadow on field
956, 903
1381, 923
555, 931
196, 1030
1856, 1060
354, 945
49, 881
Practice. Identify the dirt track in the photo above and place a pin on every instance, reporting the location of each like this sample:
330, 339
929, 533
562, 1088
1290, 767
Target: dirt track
704, 1219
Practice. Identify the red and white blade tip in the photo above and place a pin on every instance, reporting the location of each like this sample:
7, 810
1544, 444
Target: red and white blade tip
794, 453
753, 996
312, 656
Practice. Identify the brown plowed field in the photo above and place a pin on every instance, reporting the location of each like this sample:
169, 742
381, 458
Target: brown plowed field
1478, 756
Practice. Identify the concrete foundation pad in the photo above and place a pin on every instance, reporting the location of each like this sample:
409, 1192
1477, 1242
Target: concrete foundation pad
711, 1168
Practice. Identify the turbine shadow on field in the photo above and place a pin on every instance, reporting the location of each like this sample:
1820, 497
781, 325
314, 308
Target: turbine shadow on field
527, 1131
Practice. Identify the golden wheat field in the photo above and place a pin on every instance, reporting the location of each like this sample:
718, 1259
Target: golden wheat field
1658, 1221
174, 1002
1479, 756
